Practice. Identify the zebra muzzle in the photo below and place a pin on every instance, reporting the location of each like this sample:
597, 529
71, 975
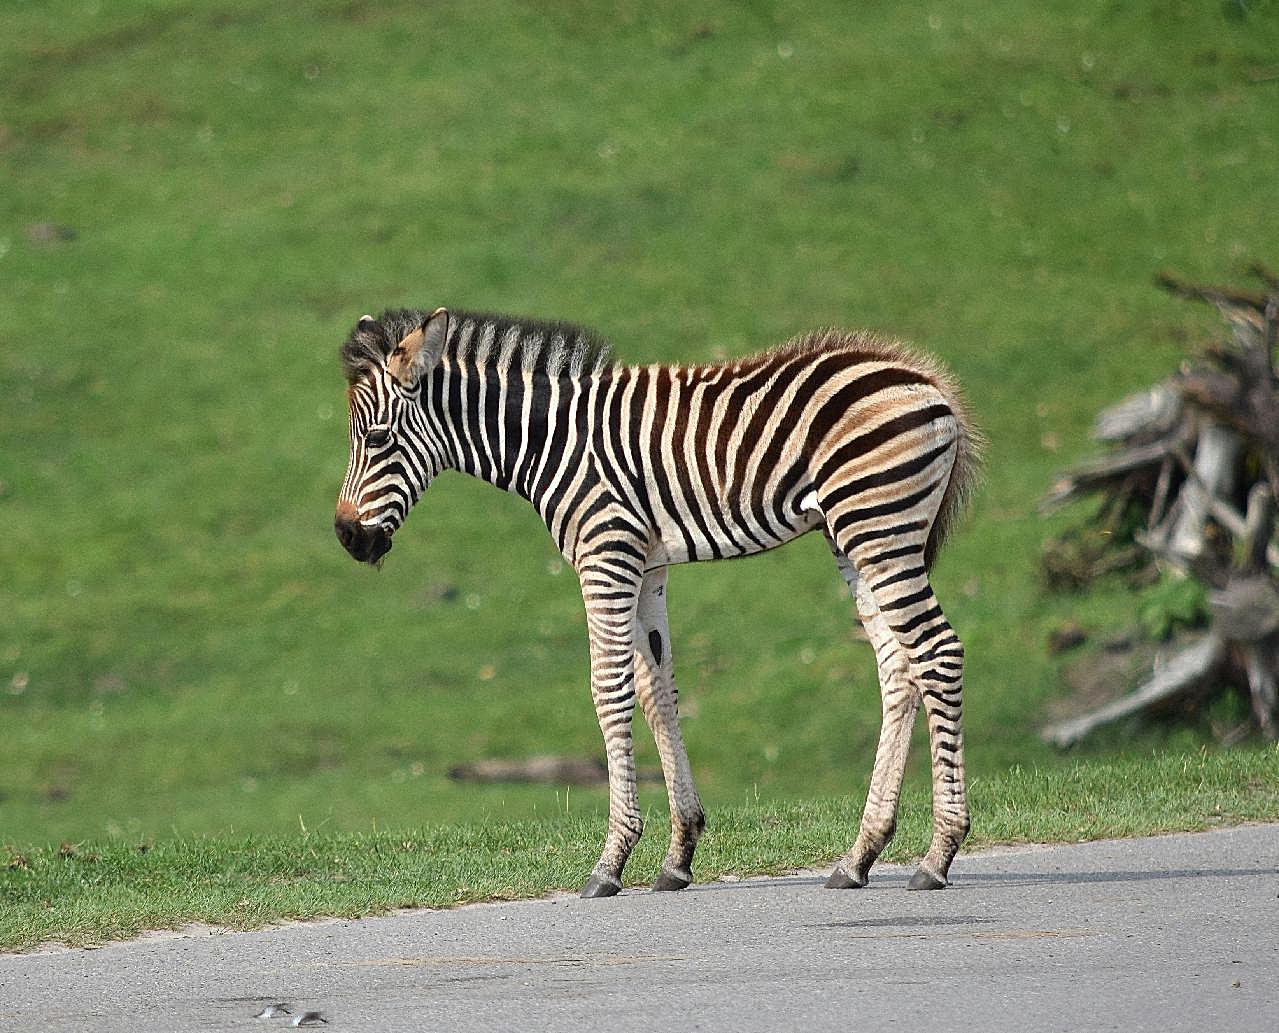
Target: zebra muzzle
366, 543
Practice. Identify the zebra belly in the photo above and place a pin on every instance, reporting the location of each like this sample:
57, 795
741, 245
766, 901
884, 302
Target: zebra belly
720, 533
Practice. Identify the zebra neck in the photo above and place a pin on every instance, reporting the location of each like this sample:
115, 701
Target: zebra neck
516, 429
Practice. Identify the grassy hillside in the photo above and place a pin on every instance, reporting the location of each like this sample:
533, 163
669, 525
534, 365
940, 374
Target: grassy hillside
200, 199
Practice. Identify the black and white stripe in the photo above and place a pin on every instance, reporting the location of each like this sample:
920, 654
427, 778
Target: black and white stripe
635, 468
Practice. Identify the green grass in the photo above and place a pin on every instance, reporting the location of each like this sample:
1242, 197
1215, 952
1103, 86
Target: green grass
88, 892
186, 651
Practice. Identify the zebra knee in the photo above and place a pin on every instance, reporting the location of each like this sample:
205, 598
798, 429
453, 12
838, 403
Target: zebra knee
939, 679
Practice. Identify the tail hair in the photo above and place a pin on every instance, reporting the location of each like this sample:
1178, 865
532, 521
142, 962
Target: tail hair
965, 476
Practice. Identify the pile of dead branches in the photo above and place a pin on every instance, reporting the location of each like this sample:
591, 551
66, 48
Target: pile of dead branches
1189, 484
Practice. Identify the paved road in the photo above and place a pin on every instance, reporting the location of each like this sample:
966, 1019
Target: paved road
1168, 934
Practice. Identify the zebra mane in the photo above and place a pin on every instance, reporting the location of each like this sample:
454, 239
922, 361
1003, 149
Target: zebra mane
868, 344
484, 339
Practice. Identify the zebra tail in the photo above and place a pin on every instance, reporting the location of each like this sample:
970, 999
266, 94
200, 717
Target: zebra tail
965, 475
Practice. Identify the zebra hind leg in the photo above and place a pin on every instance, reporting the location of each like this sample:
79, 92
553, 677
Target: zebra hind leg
655, 682
940, 674
935, 657
900, 702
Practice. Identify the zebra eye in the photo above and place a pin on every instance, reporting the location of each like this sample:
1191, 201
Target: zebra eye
376, 437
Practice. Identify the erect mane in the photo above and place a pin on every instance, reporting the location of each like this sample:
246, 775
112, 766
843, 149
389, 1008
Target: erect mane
864, 343
483, 338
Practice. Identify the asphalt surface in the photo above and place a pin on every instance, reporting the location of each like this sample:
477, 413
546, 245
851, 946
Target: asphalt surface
1171, 933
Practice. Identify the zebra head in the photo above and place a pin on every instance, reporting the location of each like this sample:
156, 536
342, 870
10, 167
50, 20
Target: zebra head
396, 451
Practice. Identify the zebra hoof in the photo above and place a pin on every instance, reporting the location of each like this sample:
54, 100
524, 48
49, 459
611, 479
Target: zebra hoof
841, 880
925, 880
669, 881
597, 887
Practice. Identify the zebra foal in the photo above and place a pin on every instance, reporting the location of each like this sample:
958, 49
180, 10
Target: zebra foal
635, 468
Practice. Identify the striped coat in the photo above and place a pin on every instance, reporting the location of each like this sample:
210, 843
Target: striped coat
636, 468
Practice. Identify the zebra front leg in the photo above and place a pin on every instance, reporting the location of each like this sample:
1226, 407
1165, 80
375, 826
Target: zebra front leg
610, 616
655, 681
900, 702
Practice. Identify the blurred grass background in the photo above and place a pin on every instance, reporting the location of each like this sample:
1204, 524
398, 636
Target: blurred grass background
199, 200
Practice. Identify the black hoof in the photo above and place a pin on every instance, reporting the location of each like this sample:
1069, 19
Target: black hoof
597, 887
841, 880
668, 881
923, 880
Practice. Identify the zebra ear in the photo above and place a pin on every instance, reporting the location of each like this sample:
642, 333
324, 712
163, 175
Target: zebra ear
435, 330
420, 350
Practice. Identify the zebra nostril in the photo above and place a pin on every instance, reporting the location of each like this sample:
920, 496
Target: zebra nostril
366, 543
348, 532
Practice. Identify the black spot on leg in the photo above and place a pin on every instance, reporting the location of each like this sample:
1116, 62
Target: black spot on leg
655, 644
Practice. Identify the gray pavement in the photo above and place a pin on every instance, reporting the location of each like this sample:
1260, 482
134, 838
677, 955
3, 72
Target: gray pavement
1171, 933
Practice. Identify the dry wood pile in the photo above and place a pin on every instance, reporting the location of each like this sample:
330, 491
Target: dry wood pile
1190, 483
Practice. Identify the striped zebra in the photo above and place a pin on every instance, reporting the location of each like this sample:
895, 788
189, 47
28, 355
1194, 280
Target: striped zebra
635, 468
